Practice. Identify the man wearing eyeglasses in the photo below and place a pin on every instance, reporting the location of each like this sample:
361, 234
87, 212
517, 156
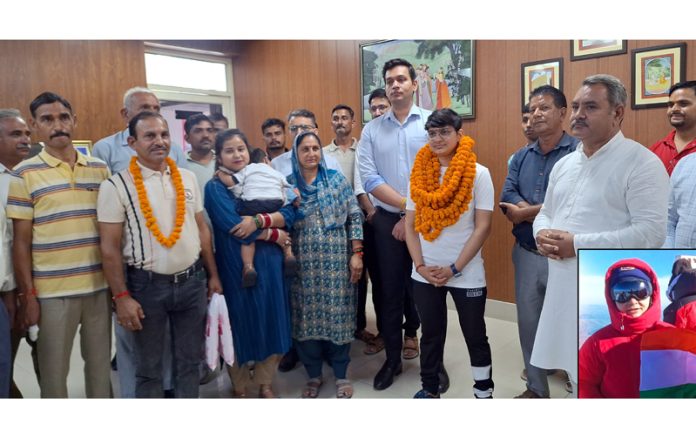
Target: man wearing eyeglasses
379, 104
388, 147
523, 194
610, 193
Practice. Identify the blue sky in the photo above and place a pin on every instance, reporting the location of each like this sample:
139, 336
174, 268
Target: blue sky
593, 265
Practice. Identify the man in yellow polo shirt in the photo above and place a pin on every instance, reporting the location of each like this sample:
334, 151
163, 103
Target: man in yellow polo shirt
52, 201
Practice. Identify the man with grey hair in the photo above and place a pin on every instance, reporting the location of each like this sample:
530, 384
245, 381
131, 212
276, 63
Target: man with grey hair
14, 147
610, 193
114, 149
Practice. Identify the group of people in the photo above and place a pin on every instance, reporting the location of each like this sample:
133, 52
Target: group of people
289, 238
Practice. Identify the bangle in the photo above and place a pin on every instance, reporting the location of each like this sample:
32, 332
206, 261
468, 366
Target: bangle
356, 250
257, 222
267, 221
125, 293
273, 235
403, 204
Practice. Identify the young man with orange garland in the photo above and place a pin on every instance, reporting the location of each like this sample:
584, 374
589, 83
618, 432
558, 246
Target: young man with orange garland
523, 194
448, 217
151, 217
388, 146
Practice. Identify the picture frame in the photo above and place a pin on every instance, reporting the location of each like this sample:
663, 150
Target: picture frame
445, 72
653, 71
83, 146
538, 73
587, 49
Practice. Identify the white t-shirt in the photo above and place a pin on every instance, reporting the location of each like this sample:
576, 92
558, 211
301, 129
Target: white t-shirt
445, 249
259, 182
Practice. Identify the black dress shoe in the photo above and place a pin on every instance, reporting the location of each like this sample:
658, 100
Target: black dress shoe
444, 380
385, 376
289, 361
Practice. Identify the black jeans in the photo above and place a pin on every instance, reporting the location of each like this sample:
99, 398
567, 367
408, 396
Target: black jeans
431, 303
184, 306
395, 290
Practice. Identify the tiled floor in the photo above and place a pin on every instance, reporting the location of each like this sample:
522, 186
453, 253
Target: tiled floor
507, 364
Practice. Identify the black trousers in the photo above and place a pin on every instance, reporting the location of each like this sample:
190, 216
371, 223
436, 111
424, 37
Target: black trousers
431, 303
395, 295
370, 266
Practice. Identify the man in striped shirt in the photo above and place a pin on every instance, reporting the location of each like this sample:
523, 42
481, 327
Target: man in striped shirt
52, 201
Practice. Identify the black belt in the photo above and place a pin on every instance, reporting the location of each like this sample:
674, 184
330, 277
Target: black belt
529, 248
178, 277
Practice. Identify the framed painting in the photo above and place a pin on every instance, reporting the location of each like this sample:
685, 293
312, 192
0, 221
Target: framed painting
444, 72
83, 146
586, 49
538, 73
654, 71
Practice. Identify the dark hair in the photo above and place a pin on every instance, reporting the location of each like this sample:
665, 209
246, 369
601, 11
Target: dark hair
272, 122
195, 120
217, 117
376, 94
444, 117
46, 98
142, 116
341, 106
302, 136
303, 113
395, 63
525, 109
223, 137
257, 155
684, 84
559, 98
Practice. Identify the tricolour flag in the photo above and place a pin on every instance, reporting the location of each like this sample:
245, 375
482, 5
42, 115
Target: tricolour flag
668, 364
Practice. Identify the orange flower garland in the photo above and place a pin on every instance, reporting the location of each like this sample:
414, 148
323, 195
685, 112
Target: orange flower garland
440, 205
146, 209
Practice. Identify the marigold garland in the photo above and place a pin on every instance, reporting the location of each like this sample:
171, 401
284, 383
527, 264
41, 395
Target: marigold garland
440, 205
146, 209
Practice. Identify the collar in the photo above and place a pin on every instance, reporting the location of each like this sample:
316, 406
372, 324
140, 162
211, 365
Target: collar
148, 173
566, 141
414, 112
4, 169
123, 137
188, 157
332, 147
55, 162
608, 146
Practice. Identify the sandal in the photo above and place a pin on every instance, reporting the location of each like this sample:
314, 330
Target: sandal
248, 276
375, 345
311, 389
364, 336
410, 350
344, 389
239, 394
266, 391
290, 266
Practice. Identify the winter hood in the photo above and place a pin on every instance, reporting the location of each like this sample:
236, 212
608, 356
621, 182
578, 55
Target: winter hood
622, 322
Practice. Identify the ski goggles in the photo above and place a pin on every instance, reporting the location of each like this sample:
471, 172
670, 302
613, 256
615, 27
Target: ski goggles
622, 291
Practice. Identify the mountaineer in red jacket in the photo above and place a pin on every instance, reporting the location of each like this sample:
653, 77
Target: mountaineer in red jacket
609, 360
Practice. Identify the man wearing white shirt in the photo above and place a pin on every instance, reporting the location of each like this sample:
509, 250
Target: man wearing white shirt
610, 193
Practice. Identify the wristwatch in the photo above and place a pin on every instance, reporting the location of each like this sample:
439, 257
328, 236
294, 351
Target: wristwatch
455, 273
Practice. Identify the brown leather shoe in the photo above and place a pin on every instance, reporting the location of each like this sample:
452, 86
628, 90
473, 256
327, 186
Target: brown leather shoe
528, 393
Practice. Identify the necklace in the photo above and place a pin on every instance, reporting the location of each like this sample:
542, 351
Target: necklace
146, 209
440, 205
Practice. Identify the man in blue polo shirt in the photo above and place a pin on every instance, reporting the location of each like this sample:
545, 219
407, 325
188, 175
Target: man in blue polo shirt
523, 194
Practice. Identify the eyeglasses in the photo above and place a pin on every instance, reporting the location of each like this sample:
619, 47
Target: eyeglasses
379, 108
302, 128
443, 133
622, 291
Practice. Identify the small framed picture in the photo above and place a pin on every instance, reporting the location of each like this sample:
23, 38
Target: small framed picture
654, 71
538, 73
586, 49
83, 146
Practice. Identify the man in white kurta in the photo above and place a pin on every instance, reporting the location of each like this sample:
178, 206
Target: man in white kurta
610, 193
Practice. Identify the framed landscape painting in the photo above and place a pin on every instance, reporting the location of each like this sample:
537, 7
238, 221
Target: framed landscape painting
538, 73
586, 49
445, 72
654, 71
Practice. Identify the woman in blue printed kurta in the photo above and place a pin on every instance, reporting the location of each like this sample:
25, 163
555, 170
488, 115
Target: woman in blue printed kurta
328, 245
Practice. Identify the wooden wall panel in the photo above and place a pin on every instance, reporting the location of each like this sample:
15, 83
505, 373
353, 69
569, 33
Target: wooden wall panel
92, 75
273, 77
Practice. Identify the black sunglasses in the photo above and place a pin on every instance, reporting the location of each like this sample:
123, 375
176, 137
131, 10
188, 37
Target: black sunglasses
622, 291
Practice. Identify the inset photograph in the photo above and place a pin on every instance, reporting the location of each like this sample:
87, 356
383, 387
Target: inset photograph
637, 323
